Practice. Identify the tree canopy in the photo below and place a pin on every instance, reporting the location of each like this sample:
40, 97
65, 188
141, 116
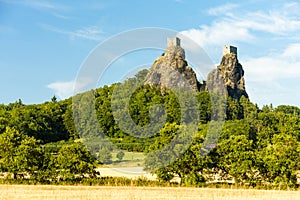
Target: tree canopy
252, 146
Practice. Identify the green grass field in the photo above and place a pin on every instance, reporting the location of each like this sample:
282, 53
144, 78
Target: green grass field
131, 159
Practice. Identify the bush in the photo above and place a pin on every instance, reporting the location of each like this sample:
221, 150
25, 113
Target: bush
120, 155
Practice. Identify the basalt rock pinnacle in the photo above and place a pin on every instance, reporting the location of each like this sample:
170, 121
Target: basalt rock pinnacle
228, 78
171, 70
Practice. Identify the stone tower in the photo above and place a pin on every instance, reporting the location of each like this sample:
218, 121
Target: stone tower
173, 42
229, 49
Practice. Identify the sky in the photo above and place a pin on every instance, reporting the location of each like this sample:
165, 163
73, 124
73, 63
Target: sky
44, 43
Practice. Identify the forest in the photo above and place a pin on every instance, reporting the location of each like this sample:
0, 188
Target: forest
253, 146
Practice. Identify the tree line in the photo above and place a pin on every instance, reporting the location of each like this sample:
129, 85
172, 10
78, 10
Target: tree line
254, 146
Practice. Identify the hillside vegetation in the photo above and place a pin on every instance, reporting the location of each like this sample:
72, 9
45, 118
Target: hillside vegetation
255, 146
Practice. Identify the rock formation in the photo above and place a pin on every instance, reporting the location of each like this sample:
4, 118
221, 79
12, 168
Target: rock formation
228, 78
171, 69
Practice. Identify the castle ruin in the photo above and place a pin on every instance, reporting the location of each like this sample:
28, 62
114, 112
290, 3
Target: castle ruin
173, 42
229, 49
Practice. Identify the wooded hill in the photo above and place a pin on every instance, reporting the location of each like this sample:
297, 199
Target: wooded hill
255, 146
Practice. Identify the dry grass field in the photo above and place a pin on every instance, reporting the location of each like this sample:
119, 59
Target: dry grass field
22, 192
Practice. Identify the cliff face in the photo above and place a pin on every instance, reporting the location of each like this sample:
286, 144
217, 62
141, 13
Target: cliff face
172, 71
228, 78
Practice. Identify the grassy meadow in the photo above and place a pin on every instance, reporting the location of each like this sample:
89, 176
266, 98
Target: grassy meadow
26, 192
130, 159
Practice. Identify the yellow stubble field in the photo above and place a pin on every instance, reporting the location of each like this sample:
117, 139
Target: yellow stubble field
22, 192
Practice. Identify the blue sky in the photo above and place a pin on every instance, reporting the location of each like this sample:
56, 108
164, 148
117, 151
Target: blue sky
44, 43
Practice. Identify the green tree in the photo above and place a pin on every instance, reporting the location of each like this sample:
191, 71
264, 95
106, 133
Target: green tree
75, 160
164, 174
234, 109
204, 104
237, 158
292, 110
104, 156
44, 121
120, 155
54, 99
281, 160
68, 121
250, 110
19, 153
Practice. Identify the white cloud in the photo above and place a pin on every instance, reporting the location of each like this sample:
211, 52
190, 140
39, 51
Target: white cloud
223, 9
239, 26
277, 93
62, 89
274, 78
274, 67
276, 22
89, 33
36, 4
66, 89
41, 5
218, 34
292, 52
60, 15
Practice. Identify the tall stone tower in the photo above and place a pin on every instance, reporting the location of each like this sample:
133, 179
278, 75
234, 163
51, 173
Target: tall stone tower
229, 49
173, 42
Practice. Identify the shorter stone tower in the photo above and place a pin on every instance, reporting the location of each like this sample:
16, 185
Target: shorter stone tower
228, 78
173, 42
229, 49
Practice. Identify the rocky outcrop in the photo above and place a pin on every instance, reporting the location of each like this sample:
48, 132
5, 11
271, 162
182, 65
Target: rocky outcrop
171, 70
228, 78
